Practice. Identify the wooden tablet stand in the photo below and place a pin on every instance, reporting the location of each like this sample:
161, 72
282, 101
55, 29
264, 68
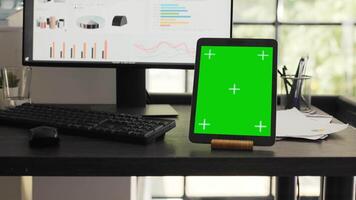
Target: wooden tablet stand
240, 145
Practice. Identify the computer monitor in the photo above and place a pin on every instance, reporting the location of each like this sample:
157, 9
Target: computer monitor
130, 35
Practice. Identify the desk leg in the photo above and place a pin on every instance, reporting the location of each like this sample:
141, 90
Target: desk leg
285, 188
339, 188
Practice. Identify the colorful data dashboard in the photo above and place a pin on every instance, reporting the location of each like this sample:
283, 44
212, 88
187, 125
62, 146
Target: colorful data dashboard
126, 31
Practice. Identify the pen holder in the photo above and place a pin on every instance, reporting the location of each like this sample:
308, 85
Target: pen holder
16, 83
296, 92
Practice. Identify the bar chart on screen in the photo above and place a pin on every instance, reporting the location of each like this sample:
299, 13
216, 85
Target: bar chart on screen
153, 31
173, 15
85, 50
182, 15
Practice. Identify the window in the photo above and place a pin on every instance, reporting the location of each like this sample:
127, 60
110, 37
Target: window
222, 187
323, 29
9, 7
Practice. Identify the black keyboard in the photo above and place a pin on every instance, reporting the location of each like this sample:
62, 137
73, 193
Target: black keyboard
106, 125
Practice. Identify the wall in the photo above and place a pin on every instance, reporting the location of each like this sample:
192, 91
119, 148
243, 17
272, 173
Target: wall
59, 85
83, 188
10, 188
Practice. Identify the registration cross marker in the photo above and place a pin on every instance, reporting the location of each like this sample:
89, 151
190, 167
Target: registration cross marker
260, 126
263, 55
204, 124
210, 54
234, 89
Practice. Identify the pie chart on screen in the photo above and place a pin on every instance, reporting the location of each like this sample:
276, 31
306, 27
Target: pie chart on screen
91, 22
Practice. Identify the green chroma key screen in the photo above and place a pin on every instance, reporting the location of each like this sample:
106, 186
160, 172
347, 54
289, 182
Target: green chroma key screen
234, 91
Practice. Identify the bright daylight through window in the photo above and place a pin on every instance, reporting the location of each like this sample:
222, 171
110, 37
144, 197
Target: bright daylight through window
325, 30
327, 35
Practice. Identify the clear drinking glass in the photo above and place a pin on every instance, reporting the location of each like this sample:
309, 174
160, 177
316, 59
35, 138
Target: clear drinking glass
16, 85
296, 92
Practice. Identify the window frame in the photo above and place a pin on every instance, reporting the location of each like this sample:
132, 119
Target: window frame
186, 97
276, 23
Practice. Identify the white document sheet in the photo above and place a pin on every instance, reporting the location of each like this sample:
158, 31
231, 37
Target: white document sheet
294, 124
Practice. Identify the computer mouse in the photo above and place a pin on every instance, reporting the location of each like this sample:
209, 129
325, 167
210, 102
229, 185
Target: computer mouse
44, 136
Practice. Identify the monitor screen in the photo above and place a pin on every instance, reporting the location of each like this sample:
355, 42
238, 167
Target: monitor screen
147, 32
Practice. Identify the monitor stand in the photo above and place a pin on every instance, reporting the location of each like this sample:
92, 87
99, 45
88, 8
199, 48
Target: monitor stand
131, 94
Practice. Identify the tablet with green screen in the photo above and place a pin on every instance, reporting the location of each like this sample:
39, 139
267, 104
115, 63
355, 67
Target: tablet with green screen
234, 93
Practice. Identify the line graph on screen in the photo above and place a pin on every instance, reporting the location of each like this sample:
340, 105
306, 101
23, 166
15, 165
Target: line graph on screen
165, 49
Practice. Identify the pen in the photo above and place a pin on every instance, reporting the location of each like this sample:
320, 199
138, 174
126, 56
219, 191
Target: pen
292, 100
284, 70
302, 80
299, 80
284, 80
280, 73
285, 75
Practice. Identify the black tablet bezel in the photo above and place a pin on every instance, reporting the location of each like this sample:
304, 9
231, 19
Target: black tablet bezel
206, 138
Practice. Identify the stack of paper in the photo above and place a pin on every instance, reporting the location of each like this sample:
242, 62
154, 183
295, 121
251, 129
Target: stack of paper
294, 124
